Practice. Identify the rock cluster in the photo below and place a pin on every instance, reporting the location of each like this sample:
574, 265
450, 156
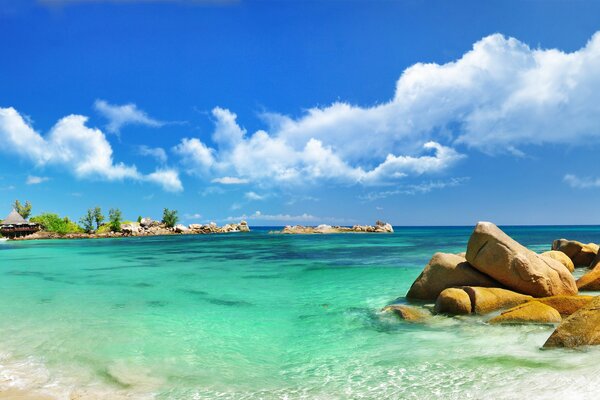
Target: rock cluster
379, 227
498, 276
148, 227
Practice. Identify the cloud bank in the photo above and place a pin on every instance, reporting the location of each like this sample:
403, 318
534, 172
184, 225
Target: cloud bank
499, 97
71, 144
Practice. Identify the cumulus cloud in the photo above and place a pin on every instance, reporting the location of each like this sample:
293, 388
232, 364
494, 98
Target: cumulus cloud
119, 116
36, 180
72, 145
168, 179
270, 158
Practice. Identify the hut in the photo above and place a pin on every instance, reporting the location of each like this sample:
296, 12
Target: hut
14, 225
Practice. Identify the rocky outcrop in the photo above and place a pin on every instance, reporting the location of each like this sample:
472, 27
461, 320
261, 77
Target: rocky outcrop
494, 253
566, 305
407, 313
582, 328
530, 312
444, 271
560, 257
180, 228
590, 281
379, 227
485, 300
453, 301
581, 254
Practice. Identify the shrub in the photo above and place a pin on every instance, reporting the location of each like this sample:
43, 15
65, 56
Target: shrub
114, 216
87, 221
98, 217
170, 218
53, 223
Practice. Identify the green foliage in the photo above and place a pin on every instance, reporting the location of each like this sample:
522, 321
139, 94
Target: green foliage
24, 210
170, 218
87, 221
54, 223
98, 217
139, 220
115, 217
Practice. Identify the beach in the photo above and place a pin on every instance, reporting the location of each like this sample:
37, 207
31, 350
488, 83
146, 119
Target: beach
255, 315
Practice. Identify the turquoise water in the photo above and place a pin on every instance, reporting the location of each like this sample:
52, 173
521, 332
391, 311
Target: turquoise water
262, 316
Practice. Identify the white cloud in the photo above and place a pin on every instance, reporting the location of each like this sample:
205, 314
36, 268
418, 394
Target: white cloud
230, 180
269, 159
168, 179
35, 180
156, 152
254, 196
121, 115
72, 145
195, 156
581, 183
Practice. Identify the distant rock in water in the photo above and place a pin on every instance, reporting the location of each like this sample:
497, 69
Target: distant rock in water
581, 254
379, 227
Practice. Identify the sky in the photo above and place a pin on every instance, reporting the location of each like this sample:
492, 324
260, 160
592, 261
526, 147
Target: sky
303, 112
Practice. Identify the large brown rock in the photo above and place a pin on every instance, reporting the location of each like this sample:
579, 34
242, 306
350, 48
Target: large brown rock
530, 312
494, 253
566, 305
485, 300
582, 254
560, 257
453, 301
591, 279
444, 271
407, 313
582, 328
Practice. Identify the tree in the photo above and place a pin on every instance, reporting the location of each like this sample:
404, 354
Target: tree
98, 217
170, 218
87, 221
24, 210
114, 217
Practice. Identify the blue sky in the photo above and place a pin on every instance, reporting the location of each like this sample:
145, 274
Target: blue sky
418, 113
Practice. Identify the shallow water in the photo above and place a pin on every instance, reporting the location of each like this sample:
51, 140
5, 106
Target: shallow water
261, 316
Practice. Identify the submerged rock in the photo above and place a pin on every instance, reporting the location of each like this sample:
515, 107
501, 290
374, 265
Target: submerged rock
580, 253
560, 257
530, 312
494, 253
407, 313
582, 328
453, 301
444, 271
485, 300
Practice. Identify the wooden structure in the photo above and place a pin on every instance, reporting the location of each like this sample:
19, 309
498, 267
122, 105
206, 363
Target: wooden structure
14, 225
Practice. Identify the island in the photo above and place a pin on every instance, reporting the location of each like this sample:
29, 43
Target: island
379, 227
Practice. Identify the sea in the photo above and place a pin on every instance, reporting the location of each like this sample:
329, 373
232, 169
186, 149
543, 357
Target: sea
264, 316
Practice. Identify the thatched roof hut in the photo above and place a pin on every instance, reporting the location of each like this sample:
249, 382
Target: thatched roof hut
15, 225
